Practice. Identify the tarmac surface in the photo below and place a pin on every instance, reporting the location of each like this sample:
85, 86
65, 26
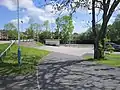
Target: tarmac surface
65, 69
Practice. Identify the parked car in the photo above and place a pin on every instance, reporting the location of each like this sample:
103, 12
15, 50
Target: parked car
114, 45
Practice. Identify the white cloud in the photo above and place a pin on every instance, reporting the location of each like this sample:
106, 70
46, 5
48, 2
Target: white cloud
25, 19
9, 4
30, 9
49, 8
51, 20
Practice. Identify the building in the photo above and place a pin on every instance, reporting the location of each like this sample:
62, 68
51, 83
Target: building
3, 35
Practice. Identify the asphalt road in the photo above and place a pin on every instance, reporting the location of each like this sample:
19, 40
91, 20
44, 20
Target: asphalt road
69, 50
64, 69
60, 71
1, 42
76, 50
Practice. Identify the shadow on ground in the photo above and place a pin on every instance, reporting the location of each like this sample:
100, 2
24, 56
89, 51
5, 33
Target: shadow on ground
27, 82
62, 72
9, 65
77, 75
15, 77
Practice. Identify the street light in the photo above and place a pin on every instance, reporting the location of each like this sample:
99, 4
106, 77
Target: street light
19, 51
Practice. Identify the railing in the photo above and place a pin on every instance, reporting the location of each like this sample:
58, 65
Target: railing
4, 53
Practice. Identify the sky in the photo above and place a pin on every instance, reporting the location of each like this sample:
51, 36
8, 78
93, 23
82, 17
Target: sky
31, 11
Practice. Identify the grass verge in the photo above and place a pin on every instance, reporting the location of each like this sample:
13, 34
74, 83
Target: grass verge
39, 44
111, 60
30, 58
3, 47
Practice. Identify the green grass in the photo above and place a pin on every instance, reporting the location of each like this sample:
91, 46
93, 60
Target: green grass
87, 57
111, 60
30, 58
3, 47
39, 44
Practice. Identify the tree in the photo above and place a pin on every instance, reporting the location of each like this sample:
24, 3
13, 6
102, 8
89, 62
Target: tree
64, 28
113, 32
89, 33
47, 28
44, 35
107, 6
107, 13
57, 31
37, 30
29, 32
33, 31
10, 26
46, 25
83, 36
75, 37
12, 31
116, 26
12, 34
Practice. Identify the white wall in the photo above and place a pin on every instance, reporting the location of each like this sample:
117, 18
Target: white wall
52, 41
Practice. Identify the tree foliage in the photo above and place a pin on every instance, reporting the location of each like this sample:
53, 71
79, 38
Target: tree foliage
44, 35
46, 25
113, 32
33, 31
107, 7
10, 26
64, 28
12, 31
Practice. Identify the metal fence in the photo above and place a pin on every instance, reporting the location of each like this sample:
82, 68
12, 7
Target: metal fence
4, 53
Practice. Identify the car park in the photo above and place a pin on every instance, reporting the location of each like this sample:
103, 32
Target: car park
114, 45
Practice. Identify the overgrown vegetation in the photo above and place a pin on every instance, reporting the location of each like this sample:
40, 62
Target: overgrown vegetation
30, 58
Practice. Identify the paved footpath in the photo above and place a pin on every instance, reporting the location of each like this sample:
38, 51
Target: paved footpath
66, 72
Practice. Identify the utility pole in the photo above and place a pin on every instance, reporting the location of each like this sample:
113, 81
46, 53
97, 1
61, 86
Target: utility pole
19, 51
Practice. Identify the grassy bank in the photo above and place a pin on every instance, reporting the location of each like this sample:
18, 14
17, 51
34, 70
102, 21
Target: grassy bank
112, 60
3, 46
29, 56
39, 44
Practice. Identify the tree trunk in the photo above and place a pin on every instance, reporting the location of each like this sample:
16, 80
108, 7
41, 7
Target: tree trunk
96, 53
97, 50
103, 36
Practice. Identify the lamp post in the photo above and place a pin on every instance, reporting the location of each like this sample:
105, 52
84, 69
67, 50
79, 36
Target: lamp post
19, 51
22, 30
51, 30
